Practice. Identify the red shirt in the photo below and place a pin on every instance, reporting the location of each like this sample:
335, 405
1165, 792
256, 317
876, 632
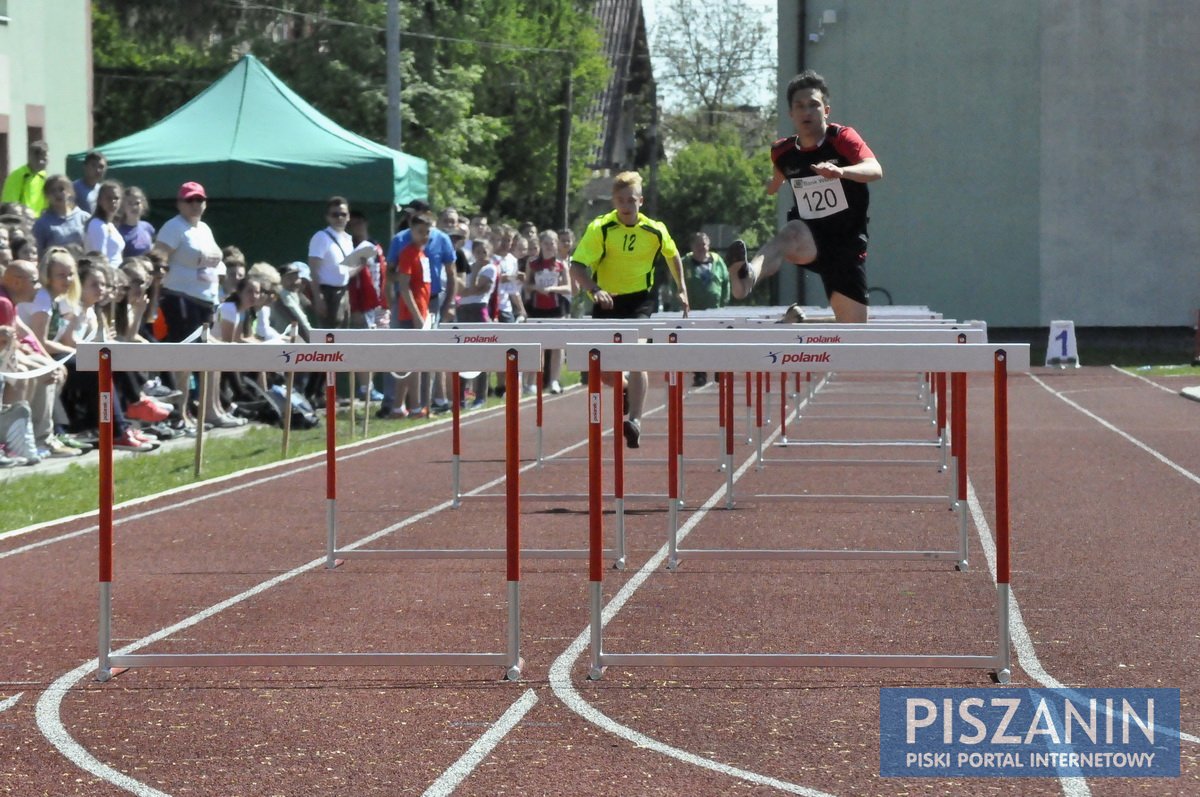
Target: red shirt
546, 274
365, 295
415, 264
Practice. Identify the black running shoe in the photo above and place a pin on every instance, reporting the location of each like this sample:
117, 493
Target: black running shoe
633, 433
736, 254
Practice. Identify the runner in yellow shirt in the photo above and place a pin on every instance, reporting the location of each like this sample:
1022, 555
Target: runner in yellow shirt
614, 261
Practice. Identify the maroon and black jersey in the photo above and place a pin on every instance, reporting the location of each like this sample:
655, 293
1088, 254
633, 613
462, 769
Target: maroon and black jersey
835, 210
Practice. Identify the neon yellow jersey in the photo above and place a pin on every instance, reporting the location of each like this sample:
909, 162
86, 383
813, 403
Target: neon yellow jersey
622, 257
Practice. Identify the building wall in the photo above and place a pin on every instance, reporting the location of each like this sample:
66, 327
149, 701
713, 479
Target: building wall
46, 62
1004, 197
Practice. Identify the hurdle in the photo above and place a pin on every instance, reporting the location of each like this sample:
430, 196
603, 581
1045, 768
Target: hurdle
952, 358
550, 338
109, 357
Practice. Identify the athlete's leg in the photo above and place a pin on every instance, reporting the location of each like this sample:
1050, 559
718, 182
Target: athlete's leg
639, 382
847, 310
793, 244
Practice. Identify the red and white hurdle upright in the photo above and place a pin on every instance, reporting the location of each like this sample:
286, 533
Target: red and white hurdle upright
110, 357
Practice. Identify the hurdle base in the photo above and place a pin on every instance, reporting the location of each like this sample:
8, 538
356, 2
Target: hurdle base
847, 554
849, 660
514, 673
104, 676
311, 660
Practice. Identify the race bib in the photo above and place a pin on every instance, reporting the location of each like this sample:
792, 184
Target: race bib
818, 197
545, 278
425, 270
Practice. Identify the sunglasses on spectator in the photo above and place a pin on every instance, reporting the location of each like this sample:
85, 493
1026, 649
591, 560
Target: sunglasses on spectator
194, 199
338, 215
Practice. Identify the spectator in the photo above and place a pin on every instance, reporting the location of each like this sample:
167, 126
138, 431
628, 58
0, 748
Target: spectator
102, 234
510, 278
5, 248
232, 270
550, 283
135, 230
56, 304
413, 285
24, 248
292, 305
189, 289
706, 276
26, 184
16, 432
269, 284
20, 284
95, 165
368, 300
61, 223
473, 304
82, 388
328, 250
440, 252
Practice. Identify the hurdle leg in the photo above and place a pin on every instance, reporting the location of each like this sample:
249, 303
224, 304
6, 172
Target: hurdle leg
540, 379
456, 441
749, 411
330, 468
103, 668
958, 437
512, 458
1003, 531
596, 514
758, 415
618, 459
727, 398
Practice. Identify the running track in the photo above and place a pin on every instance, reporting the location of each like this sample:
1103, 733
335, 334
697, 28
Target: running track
1106, 480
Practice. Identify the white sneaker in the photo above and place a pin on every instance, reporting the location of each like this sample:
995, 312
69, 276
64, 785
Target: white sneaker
555, 387
528, 390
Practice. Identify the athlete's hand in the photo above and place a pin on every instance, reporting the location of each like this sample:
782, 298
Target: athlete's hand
683, 302
603, 298
828, 169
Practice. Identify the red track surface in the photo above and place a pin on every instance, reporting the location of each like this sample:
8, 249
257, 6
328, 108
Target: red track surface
1104, 571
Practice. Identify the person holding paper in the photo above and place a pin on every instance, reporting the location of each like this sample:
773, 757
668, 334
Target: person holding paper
333, 260
827, 167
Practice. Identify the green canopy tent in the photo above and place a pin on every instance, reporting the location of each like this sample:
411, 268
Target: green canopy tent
267, 160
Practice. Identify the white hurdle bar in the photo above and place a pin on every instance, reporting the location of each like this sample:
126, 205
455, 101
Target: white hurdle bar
109, 357
953, 358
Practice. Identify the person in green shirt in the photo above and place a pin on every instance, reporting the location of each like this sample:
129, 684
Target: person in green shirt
26, 185
706, 275
614, 262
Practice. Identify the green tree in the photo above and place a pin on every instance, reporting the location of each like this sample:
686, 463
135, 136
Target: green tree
481, 79
717, 183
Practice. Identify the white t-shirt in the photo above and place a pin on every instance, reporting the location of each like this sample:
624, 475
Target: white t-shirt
192, 266
227, 312
486, 270
42, 303
331, 247
262, 325
104, 237
508, 268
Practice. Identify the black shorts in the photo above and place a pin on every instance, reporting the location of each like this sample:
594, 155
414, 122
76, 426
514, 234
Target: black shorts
842, 268
642, 304
183, 314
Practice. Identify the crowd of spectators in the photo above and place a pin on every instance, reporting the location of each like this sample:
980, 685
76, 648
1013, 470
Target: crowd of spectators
79, 262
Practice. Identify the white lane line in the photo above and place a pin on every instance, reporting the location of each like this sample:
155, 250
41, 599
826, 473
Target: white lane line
8, 703
1182, 471
464, 766
1022, 642
49, 706
1177, 468
564, 688
1150, 382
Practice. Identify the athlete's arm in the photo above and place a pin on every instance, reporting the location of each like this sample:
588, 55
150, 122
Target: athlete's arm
777, 180
867, 171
